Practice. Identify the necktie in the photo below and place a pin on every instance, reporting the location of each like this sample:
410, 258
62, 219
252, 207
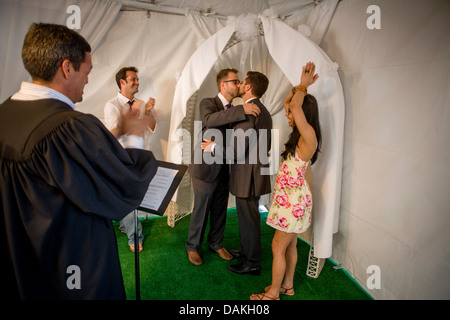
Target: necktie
130, 103
228, 106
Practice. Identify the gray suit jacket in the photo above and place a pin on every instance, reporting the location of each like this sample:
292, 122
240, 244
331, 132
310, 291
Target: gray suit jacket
248, 152
213, 116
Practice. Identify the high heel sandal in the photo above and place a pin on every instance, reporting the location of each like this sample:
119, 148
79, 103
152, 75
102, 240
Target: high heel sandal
261, 296
283, 290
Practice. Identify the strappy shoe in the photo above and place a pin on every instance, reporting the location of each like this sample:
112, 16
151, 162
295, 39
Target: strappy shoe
283, 290
261, 296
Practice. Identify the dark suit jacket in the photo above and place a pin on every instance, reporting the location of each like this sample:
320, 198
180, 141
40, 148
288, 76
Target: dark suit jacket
213, 116
248, 154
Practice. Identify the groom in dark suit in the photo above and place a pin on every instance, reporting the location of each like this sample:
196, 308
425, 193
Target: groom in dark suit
210, 180
248, 149
249, 177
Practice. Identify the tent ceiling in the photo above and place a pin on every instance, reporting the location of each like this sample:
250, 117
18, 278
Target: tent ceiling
283, 8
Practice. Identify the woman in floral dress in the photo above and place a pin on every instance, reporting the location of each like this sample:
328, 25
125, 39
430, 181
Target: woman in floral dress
290, 212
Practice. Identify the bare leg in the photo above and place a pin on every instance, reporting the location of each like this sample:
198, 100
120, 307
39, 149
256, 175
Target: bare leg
283, 261
291, 263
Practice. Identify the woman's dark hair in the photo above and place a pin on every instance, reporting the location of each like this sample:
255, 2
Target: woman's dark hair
311, 111
46, 46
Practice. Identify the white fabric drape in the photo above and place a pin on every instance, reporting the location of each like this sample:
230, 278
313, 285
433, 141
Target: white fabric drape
395, 200
394, 203
159, 46
316, 18
291, 51
290, 55
16, 16
195, 71
97, 18
204, 27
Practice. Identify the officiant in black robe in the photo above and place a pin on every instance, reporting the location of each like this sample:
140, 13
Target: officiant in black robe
64, 177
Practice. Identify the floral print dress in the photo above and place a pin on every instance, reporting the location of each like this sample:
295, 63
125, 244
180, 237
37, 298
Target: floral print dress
292, 198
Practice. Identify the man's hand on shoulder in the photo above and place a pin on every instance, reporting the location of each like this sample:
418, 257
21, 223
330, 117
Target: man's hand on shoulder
251, 109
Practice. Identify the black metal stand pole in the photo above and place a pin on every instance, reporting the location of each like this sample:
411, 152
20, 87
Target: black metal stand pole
136, 256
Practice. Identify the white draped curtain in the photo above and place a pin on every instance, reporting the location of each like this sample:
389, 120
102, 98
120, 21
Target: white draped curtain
16, 16
394, 204
252, 53
135, 38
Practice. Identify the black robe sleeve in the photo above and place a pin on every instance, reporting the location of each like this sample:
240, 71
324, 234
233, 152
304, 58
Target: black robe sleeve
84, 161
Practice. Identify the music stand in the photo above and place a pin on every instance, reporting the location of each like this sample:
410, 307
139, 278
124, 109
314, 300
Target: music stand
136, 256
160, 191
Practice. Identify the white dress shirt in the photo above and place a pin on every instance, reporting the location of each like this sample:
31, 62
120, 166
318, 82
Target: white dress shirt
223, 99
31, 91
112, 113
114, 109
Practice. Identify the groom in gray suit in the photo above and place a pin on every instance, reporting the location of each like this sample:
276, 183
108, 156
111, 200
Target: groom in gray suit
210, 180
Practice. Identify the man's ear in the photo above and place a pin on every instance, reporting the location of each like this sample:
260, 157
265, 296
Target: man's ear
123, 82
65, 67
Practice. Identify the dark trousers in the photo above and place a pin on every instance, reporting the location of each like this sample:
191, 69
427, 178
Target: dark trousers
249, 230
210, 198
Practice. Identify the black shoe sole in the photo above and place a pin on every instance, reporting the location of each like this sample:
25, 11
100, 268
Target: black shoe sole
254, 272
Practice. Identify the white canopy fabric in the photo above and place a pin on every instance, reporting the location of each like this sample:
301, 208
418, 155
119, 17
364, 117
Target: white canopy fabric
16, 16
192, 77
290, 50
394, 204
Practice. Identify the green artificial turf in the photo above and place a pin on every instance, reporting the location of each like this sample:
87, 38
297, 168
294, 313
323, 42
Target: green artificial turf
166, 274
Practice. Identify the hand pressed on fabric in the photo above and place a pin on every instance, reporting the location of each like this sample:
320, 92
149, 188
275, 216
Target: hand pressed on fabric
308, 76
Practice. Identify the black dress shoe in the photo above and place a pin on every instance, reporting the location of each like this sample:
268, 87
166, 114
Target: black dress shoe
237, 254
241, 268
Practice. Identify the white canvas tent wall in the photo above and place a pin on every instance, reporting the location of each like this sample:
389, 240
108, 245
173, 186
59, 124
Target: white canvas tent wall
394, 208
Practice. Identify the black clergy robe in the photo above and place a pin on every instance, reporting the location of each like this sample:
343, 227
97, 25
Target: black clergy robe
64, 178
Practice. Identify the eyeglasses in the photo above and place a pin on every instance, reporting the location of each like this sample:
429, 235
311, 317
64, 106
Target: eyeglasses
235, 81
